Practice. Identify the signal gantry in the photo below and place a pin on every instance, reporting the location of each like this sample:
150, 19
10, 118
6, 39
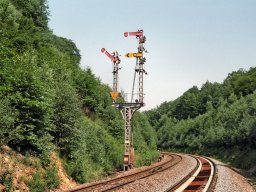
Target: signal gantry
127, 109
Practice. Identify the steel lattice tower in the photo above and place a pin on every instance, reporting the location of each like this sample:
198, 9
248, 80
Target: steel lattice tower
127, 109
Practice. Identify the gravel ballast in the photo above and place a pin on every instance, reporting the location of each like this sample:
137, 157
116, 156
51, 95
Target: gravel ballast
230, 181
163, 180
227, 180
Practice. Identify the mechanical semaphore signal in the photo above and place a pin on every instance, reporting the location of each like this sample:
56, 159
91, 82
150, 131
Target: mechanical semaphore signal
128, 109
140, 60
115, 59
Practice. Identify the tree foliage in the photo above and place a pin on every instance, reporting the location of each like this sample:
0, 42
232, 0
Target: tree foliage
216, 116
47, 102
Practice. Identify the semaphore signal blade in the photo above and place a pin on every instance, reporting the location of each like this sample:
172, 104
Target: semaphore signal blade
103, 50
134, 54
137, 34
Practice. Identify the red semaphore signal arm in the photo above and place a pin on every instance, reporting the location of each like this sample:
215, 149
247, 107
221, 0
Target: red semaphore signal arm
137, 34
103, 50
114, 57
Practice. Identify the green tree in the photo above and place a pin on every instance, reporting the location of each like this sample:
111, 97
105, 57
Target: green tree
9, 16
30, 94
66, 117
7, 117
34, 10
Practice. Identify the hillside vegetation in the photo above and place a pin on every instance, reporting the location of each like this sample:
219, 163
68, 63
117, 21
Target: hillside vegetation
49, 103
219, 119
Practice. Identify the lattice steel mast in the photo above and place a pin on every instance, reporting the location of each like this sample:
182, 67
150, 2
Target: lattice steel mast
127, 109
114, 57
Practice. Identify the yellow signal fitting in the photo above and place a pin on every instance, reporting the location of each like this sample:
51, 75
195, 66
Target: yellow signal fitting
134, 55
114, 95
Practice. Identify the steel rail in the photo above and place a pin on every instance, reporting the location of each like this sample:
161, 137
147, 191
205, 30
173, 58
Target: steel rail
152, 172
115, 183
201, 178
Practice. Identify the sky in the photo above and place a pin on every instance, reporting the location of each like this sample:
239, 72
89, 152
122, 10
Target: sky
188, 41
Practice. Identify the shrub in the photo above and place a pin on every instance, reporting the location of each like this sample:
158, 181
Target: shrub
7, 180
51, 178
37, 184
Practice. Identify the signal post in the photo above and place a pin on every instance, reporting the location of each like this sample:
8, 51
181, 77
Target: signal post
127, 109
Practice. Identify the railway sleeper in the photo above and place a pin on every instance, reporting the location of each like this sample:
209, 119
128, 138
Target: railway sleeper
204, 173
195, 187
201, 178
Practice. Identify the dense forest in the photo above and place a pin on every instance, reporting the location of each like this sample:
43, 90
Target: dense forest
218, 120
49, 103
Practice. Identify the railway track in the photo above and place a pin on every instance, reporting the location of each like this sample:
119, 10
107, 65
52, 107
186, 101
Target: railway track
201, 178
116, 183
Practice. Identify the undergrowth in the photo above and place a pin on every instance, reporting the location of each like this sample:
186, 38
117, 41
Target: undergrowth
44, 180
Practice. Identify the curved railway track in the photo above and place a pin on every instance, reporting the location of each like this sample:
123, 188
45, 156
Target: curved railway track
201, 178
116, 183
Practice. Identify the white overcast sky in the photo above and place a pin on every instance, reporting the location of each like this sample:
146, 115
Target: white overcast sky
189, 41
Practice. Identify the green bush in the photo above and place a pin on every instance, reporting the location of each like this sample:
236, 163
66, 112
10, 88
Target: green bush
79, 169
31, 161
44, 180
51, 178
7, 180
7, 116
146, 158
37, 184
